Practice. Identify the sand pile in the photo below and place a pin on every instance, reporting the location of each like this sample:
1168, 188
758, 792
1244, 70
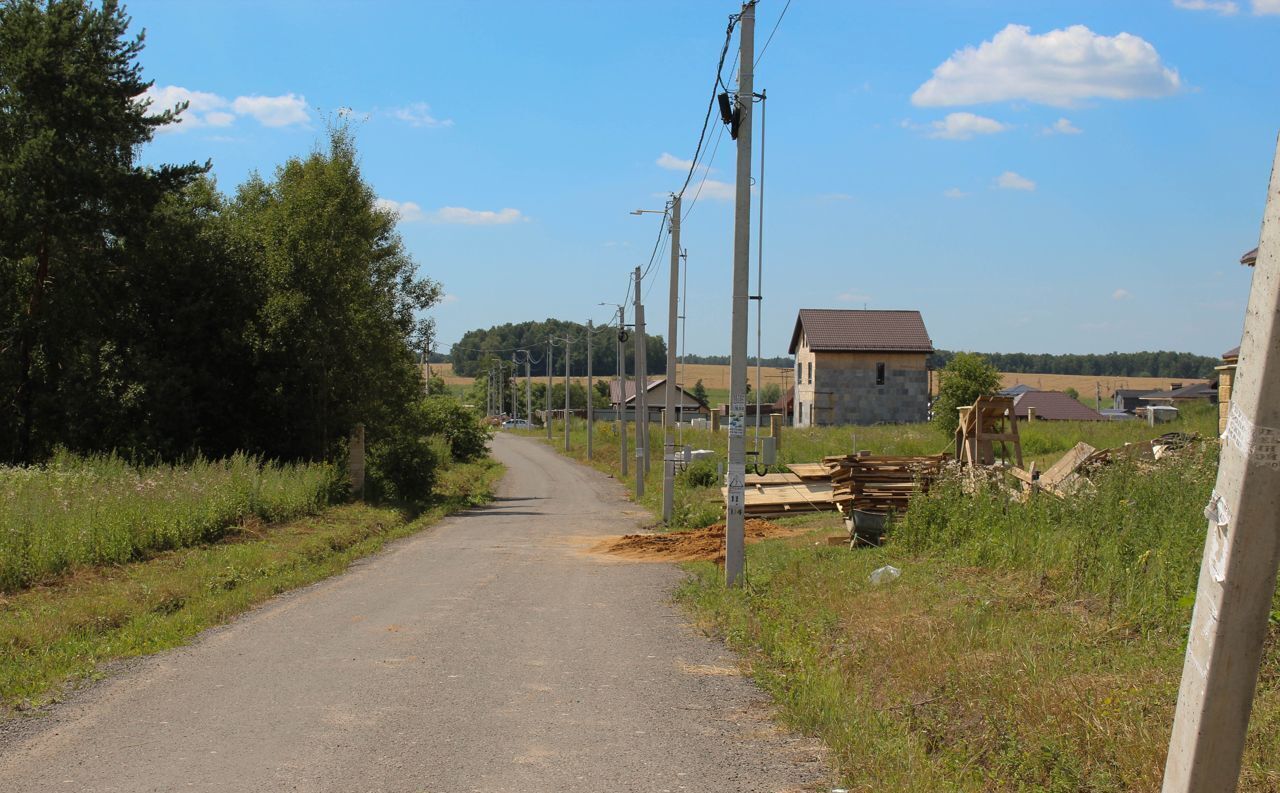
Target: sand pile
685, 546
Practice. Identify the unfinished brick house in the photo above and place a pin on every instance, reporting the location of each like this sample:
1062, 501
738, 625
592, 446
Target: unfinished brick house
860, 367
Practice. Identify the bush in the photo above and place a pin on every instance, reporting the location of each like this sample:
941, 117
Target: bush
405, 467
700, 473
966, 377
459, 425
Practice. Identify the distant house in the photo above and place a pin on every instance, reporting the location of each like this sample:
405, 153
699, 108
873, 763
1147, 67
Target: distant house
1196, 392
624, 397
1053, 406
1130, 399
860, 367
787, 404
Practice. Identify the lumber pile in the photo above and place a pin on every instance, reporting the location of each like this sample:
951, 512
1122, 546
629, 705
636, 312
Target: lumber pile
880, 483
780, 495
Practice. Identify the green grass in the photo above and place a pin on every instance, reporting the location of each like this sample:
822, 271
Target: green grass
101, 510
1026, 647
52, 636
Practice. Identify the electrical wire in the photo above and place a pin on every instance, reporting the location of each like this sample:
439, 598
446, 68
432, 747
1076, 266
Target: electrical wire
775, 30
711, 103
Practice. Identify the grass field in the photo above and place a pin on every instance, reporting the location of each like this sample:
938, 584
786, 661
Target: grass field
101, 510
1026, 647
55, 634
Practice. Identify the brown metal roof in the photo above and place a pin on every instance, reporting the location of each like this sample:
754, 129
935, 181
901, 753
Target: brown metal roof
1054, 406
853, 330
1250, 258
1234, 352
627, 395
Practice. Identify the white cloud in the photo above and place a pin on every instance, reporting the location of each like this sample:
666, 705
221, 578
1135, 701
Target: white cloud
1261, 7
672, 162
418, 114
407, 211
1121, 294
963, 126
449, 298
1061, 68
211, 110
716, 190
955, 192
853, 297
1224, 7
835, 197
273, 111
1062, 126
1013, 181
476, 217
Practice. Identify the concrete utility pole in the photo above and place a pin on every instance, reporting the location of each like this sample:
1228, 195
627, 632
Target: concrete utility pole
1241, 552
622, 387
548, 416
590, 389
528, 390
642, 387
567, 358
735, 559
668, 436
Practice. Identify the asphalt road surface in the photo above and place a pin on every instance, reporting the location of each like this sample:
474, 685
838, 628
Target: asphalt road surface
491, 653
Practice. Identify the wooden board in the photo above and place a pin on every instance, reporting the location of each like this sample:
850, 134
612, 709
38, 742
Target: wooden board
809, 470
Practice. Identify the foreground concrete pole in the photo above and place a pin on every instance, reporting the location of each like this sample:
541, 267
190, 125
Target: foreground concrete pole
1238, 570
355, 461
775, 429
668, 416
735, 550
642, 390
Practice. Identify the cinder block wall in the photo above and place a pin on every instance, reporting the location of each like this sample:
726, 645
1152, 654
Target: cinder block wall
847, 393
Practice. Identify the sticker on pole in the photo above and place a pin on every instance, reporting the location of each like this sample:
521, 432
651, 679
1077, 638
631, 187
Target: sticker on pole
1258, 444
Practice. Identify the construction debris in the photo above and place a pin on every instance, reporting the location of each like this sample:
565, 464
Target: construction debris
989, 420
880, 484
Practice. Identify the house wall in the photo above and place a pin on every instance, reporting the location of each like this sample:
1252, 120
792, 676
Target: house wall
802, 415
845, 389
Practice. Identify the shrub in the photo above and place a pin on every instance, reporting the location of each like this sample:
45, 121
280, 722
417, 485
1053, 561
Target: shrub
405, 467
700, 473
966, 377
459, 425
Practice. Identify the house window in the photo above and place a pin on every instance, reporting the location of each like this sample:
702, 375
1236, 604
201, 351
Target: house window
799, 371
879, 374
801, 406
810, 372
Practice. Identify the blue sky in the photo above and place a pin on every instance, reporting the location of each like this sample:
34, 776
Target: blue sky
1032, 176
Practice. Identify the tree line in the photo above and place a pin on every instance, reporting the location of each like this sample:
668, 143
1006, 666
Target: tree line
144, 311
1112, 364
478, 350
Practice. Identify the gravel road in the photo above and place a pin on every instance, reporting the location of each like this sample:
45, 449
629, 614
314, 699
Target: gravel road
491, 653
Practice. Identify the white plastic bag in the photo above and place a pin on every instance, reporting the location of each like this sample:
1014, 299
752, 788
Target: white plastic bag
884, 575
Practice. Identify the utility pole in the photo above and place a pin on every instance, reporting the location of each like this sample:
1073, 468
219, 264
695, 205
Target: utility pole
622, 386
1242, 549
590, 392
734, 560
567, 357
548, 416
528, 389
642, 387
668, 436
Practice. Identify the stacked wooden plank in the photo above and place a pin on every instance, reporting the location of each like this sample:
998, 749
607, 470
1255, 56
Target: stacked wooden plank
780, 495
880, 483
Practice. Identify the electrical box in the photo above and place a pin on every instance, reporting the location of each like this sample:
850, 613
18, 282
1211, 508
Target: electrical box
768, 450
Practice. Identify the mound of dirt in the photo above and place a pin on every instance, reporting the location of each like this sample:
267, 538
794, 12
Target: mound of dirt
686, 546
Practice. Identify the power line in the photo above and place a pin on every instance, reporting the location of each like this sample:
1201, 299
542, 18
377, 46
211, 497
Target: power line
711, 103
775, 30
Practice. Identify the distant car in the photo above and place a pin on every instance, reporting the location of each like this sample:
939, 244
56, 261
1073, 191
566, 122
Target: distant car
517, 424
